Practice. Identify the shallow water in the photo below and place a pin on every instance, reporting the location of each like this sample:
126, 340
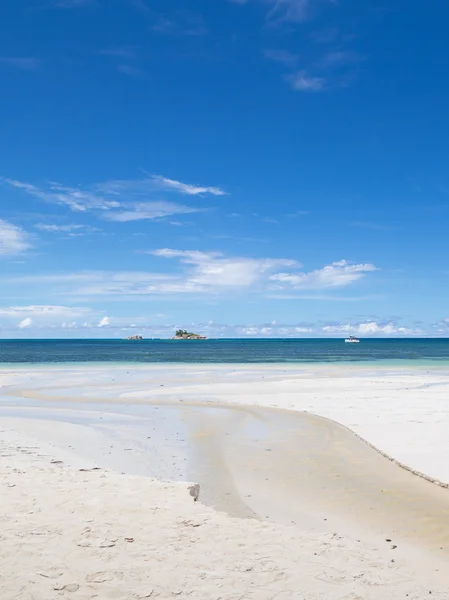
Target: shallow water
284, 351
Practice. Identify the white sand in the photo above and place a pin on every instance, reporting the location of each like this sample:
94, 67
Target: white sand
99, 535
45, 508
403, 413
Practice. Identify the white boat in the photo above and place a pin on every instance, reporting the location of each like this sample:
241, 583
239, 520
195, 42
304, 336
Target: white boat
352, 340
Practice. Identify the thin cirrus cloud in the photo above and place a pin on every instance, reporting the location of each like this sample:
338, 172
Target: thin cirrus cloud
339, 59
150, 210
130, 70
204, 274
185, 188
76, 199
50, 228
303, 82
13, 239
43, 310
70, 3
294, 11
179, 22
119, 200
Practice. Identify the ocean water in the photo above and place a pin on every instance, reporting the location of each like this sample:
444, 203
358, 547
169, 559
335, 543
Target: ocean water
408, 351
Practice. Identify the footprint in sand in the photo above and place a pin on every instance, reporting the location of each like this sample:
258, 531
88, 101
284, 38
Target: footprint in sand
103, 576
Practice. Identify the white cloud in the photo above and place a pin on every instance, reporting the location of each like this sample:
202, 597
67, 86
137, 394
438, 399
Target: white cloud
339, 59
43, 310
13, 239
372, 328
337, 274
303, 82
104, 322
70, 3
203, 273
25, 323
117, 200
286, 10
63, 228
76, 199
212, 270
130, 70
148, 327
185, 188
150, 210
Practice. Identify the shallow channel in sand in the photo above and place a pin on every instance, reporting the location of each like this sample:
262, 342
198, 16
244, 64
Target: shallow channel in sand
272, 464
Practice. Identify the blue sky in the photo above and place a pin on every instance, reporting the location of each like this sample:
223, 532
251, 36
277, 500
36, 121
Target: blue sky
237, 167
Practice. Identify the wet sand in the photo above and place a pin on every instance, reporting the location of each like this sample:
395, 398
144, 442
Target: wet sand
279, 466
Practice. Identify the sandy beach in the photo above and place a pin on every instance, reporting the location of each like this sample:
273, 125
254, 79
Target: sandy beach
292, 503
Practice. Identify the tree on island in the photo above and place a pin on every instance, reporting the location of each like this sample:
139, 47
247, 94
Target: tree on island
181, 332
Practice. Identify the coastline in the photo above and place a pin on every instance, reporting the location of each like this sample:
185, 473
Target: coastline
401, 412
242, 434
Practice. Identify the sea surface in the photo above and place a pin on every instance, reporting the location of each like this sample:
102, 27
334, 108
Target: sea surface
408, 351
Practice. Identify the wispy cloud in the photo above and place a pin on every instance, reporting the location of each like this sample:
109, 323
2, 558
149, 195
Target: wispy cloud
49, 228
76, 199
119, 200
324, 296
374, 226
284, 57
130, 70
340, 58
13, 239
295, 11
180, 22
25, 63
70, 3
298, 213
185, 188
150, 210
141, 6
290, 10
43, 310
303, 82
338, 274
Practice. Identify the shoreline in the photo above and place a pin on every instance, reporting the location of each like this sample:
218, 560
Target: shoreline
401, 413
291, 364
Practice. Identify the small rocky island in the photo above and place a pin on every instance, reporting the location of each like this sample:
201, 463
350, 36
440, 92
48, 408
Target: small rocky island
135, 337
183, 334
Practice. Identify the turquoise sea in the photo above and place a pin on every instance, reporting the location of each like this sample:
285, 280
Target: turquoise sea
416, 351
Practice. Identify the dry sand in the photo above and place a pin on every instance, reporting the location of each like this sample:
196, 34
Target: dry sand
99, 535
66, 527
